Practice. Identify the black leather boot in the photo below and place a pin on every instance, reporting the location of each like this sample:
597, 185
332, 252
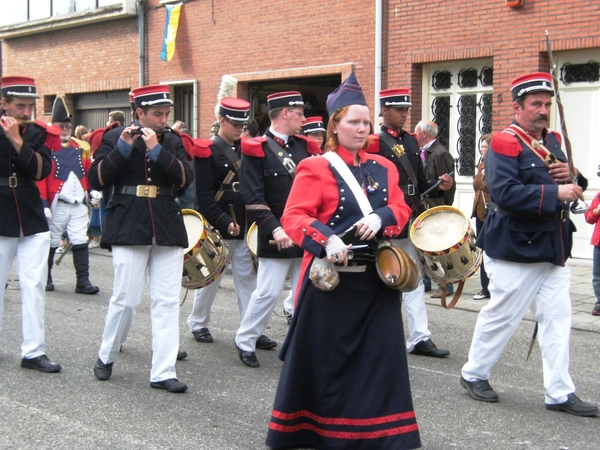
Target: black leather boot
49, 283
81, 261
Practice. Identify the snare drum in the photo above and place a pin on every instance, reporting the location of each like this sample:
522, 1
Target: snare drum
205, 258
446, 244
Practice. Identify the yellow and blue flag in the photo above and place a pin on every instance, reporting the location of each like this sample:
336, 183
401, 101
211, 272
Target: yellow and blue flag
173, 12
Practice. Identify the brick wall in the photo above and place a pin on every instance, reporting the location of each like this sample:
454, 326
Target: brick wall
245, 36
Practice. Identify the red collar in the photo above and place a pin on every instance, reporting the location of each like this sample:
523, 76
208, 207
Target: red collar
348, 157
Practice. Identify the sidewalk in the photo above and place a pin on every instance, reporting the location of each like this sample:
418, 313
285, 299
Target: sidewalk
582, 296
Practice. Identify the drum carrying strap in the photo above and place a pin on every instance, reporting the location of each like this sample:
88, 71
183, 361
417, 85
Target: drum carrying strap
282, 156
402, 157
228, 152
533, 144
340, 166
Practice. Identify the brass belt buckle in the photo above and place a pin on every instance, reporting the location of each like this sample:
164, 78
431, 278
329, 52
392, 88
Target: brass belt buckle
12, 182
143, 190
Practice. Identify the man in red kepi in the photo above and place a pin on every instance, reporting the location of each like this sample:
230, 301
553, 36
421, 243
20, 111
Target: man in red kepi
24, 160
145, 165
268, 170
217, 167
526, 240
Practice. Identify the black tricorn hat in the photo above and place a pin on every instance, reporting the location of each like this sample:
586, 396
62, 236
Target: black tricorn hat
60, 110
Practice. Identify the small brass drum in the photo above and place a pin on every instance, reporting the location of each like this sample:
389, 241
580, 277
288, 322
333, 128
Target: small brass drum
446, 244
205, 258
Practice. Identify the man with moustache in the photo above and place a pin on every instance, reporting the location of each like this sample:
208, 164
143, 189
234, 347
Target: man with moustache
216, 167
24, 160
267, 174
526, 240
145, 165
402, 149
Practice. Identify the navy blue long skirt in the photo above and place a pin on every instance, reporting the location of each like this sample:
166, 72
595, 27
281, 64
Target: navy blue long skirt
344, 382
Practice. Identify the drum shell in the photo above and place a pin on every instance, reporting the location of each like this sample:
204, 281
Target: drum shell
453, 261
397, 269
207, 255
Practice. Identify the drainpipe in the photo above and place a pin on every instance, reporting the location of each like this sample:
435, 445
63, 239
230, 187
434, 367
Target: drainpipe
141, 30
378, 56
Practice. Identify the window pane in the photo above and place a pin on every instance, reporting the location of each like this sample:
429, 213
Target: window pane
85, 5
102, 3
62, 7
39, 9
16, 13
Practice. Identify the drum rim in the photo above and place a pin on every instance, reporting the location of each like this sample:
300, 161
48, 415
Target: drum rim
437, 209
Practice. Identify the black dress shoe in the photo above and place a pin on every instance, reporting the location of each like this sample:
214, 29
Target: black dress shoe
41, 363
203, 335
171, 385
49, 287
181, 354
428, 348
480, 390
288, 316
88, 289
574, 405
248, 358
103, 371
264, 343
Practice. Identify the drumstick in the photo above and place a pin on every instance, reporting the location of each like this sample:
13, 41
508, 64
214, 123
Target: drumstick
435, 186
274, 242
232, 213
228, 179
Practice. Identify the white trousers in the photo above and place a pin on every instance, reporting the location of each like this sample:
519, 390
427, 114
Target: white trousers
414, 302
269, 286
161, 267
32, 267
244, 281
72, 217
516, 287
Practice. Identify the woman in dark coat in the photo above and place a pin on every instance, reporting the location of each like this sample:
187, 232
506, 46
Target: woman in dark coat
344, 382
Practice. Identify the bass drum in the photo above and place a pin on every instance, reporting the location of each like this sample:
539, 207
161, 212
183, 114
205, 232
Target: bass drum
206, 256
446, 244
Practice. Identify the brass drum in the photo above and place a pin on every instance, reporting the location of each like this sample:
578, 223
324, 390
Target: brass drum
446, 244
205, 258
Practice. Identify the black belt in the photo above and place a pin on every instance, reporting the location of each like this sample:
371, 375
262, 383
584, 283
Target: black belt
14, 182
143, 190
233, 187
560, 215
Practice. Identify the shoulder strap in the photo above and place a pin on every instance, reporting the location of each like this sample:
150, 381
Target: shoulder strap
402, 157
533, 144
340, 166
282, 156
225, 149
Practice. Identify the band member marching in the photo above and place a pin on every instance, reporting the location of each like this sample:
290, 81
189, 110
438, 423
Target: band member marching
65, 194
268, 168
344, 381
24, 160
145, 164
526, 239
217, 166
402, 149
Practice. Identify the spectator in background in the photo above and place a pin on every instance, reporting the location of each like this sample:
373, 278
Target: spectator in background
117, 117
482, 197
591, 216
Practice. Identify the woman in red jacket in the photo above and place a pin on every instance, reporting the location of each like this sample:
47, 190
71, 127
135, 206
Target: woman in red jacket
344, 381
591, 216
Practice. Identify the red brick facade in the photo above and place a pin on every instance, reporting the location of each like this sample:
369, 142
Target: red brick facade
259, 39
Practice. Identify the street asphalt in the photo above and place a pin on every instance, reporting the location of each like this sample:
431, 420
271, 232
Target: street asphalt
228, 405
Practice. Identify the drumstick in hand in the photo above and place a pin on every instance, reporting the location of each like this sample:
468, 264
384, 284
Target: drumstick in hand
232, 213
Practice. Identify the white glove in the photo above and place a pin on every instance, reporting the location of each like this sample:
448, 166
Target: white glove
334, 245
48, 214
96, 198
373, 221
